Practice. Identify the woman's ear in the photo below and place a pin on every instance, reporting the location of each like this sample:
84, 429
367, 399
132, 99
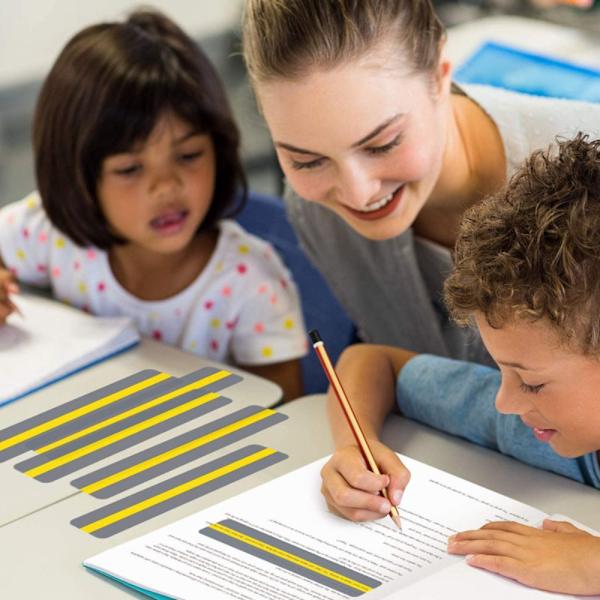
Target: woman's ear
442, 78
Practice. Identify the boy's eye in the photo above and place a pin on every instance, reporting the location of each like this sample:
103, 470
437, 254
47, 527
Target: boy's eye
375, 150
531, 389
311, 164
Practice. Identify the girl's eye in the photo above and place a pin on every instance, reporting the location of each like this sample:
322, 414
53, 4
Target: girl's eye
531, 389
129, 170
190, 156
311, 164
386, 147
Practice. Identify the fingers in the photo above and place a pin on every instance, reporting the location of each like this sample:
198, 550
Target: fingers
7, 287
353, 491
560, 527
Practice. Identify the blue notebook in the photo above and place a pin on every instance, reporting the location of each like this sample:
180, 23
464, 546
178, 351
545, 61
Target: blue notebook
52, 340
521, 71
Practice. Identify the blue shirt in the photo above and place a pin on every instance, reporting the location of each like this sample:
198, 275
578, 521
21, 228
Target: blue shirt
459, 397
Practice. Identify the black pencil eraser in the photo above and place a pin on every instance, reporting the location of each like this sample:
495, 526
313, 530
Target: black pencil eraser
314, 336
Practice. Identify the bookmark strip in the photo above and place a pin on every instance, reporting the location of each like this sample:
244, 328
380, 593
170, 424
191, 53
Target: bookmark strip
56, 464
162, 458
290, 557
162, 497
177, 388
13, 439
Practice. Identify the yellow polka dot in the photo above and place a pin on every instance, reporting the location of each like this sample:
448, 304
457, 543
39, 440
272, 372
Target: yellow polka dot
193, 345
154, 316
82, 287
267, 351
243, 249
59, 242
219, 267
21, 254
215, 323
288, 323
32, 202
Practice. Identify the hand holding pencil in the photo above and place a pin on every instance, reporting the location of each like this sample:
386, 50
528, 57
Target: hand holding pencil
364, 479
8, 287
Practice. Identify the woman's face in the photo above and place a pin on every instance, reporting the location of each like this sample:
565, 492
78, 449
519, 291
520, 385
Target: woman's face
364, 140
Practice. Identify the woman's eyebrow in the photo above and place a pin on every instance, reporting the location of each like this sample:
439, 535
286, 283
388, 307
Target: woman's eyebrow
377, 130
360, 142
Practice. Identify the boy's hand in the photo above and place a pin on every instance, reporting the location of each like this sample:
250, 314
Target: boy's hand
558, 558
8, 286
352, 491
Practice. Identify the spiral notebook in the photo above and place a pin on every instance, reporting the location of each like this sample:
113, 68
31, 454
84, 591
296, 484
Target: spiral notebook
51, 340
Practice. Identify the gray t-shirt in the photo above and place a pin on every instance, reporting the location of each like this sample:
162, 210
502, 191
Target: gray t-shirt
392, 289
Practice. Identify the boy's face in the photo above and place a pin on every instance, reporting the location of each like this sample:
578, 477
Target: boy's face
554, 390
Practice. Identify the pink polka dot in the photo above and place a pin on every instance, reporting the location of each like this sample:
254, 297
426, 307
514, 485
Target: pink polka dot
157, 334
10, 219
91, 254
101, 286
208, 304
55, 272
214, 345
25, 232
259, 327
273, 298
43, 237
226, 291
177, 312
76, 265
242, 268
231, 324
41, 268
263, 288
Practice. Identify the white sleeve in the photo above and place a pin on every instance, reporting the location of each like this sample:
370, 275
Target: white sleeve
270, 327
25, 240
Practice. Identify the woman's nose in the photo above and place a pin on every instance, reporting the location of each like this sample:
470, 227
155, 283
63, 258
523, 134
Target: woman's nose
357, 187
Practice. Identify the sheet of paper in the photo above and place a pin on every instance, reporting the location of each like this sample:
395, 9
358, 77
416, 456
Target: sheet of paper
278, 542
51, 340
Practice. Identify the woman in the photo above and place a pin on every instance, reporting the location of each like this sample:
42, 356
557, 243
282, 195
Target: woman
383, 154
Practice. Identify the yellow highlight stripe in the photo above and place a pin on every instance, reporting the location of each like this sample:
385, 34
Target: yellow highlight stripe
298, 560
120, 435
134, 411
177, 451
178, 490
82, 410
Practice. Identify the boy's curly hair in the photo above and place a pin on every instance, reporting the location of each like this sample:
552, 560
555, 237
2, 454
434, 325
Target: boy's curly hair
532, 251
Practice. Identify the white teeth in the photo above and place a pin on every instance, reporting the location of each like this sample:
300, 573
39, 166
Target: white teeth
380, 203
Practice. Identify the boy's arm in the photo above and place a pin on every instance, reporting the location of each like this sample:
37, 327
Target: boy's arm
368, 374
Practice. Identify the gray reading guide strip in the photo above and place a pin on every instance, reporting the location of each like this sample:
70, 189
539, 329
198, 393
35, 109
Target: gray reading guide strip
166, 495
175, 452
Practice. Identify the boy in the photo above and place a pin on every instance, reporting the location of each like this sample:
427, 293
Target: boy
527, 273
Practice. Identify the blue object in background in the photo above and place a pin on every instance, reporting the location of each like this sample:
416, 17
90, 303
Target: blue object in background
513, 69
265, 217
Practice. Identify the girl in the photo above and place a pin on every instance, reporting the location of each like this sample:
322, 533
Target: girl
384, 154
137, 167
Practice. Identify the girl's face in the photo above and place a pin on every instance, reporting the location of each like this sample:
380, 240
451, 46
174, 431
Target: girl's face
363, 139
554, 390
157, 194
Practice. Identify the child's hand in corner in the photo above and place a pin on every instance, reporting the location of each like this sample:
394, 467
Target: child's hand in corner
8, 286
559, 557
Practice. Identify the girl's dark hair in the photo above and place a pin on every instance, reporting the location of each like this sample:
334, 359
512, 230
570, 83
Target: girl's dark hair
105, 93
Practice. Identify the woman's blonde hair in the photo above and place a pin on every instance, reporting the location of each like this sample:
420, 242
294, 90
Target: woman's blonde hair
287, 38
